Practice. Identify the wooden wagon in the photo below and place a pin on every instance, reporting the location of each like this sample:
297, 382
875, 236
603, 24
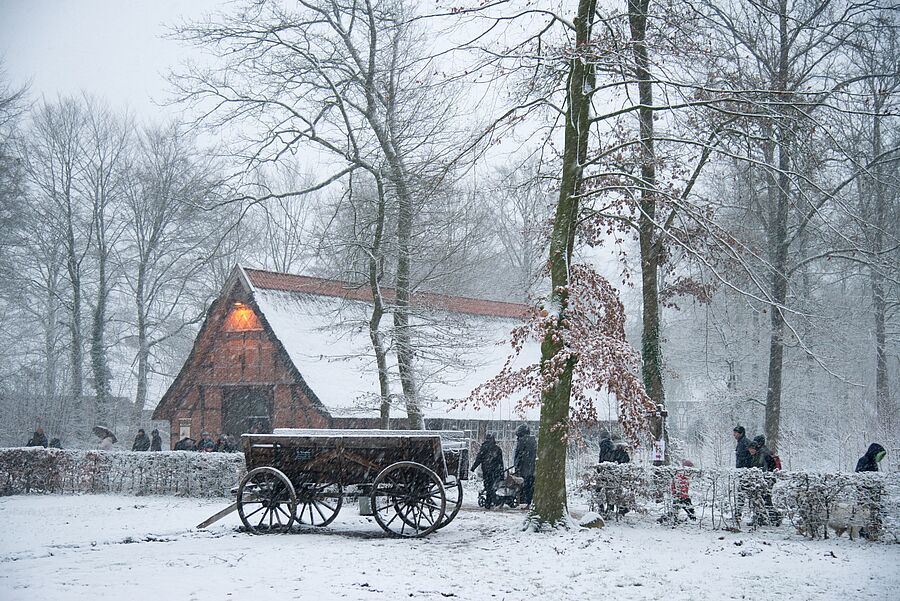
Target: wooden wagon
410, 481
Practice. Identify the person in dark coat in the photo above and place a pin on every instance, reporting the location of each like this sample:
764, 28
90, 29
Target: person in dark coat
185, 444
607, 448
869, 461
742, 460
620, 451
761, 456
742, 457
225, 444
872, 502
206, 444
141, 441
525, 459
38, 439
490, 458
155, 440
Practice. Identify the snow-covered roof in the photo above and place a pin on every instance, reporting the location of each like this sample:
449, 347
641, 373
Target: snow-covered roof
327, 339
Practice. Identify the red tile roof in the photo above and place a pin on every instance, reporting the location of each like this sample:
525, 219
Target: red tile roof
288, 282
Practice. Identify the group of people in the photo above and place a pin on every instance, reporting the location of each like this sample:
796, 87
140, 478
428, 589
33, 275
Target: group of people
206, 444
755, 454
144, 443
39, 439
490, 458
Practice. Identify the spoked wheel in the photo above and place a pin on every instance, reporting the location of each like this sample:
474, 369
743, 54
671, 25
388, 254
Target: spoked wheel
408, 500
318, 503
454, 493
266, 501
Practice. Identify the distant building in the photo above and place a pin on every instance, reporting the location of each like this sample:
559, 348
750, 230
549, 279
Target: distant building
288, 351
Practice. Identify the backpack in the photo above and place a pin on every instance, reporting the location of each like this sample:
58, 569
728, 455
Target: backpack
777, 461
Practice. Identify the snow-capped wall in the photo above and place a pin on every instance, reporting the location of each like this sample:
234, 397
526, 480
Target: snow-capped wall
181, 473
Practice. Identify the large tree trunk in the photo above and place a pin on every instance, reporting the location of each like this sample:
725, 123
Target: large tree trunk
402, 333
76, 351
99, 360
779, 203
550, 505
650, 244
884, 411
143, 355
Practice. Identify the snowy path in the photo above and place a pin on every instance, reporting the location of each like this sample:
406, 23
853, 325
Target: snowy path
91, 547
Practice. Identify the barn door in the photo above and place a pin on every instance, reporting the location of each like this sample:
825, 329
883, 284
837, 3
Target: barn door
247, 409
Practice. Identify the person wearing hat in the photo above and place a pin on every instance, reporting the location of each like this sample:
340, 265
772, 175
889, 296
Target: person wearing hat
490, 458
872, 503
206, 444
742, 458
869, 462
524, 459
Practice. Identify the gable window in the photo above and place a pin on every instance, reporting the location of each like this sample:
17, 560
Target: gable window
242, 319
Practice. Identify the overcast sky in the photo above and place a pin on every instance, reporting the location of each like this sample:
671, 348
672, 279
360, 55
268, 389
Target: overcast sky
111, 48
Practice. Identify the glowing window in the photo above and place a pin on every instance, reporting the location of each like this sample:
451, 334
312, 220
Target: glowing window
242, 319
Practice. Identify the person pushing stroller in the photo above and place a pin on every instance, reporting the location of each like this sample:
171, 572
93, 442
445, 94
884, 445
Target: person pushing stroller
490, 458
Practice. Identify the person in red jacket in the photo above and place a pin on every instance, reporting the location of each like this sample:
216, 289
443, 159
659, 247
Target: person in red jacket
681, 495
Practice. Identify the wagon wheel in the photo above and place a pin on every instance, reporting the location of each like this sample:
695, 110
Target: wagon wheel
408, 500
454, 493
266, 501
318, 503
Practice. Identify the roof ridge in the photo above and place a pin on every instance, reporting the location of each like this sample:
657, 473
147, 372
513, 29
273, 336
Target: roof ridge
269, 280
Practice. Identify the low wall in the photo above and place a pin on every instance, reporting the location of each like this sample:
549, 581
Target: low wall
182, 473
811, 503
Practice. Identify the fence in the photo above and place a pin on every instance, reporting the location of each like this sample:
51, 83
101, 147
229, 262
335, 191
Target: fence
811, 503
180, 473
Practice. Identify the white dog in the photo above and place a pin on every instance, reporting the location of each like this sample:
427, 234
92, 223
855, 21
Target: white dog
846, 517
842, 517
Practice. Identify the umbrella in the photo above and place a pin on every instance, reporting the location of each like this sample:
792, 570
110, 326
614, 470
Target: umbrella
104, 432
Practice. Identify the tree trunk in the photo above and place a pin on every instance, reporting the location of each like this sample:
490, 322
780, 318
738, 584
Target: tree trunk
99, 361
76, 352
402, 333
143, 355
884, 412
384, 386
550, 506
779, 202
650, 244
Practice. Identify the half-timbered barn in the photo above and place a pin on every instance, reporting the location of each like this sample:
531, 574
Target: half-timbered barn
279, 350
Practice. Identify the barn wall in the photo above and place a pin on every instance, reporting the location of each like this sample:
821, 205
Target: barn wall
224, 359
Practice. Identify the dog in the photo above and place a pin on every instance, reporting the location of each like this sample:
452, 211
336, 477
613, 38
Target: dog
842, 517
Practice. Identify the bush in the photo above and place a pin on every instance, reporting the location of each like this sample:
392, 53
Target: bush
812, 503
182, 473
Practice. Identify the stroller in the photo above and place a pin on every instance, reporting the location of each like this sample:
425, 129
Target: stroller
508, 490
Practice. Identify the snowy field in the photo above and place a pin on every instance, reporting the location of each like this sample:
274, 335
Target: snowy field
135, 548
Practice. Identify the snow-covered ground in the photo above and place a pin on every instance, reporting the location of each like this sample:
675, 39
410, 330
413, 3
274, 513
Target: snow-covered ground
117, 547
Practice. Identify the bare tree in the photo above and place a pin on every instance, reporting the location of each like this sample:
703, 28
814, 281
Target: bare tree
877, 51
343, 79
106, 147
782, 63
53, 158
171, 243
